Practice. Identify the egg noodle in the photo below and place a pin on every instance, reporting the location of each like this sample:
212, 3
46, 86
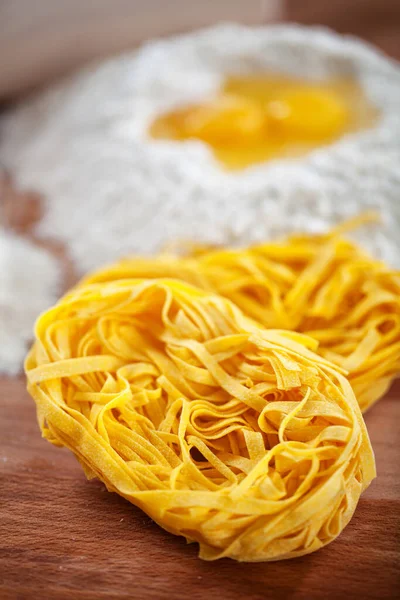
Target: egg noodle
324, 286
238, 437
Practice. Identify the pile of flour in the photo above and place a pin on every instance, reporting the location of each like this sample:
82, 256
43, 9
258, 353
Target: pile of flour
29, 283
111, 190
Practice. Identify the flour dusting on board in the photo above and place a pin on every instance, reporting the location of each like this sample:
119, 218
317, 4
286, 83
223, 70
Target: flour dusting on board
29, 283
111, 190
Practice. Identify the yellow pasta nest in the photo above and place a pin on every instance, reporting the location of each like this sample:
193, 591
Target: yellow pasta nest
324, 286
234, 436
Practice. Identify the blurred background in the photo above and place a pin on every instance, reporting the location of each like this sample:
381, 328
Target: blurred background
41, 39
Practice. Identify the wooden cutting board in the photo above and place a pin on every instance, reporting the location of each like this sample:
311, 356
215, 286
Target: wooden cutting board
64, 538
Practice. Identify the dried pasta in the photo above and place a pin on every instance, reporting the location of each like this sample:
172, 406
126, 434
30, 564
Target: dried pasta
235, 436
324, 286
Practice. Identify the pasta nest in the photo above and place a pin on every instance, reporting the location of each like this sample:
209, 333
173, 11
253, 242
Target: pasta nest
237, 437
321, 285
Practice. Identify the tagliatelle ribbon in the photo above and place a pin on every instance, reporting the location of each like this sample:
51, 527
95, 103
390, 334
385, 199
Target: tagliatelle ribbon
322, 285
237, 437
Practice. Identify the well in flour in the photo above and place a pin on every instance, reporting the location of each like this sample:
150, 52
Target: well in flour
111, 190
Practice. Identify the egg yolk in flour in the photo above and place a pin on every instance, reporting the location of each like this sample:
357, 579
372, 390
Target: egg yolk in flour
254, 119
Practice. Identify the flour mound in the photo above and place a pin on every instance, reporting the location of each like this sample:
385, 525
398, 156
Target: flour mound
29, 283
111, 191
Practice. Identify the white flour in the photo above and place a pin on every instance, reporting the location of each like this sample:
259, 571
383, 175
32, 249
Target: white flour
112, 191
29, 283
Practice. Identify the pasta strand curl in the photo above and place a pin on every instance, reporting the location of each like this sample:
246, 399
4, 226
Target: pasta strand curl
238, 437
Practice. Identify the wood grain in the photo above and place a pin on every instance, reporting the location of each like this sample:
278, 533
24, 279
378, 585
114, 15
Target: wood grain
64, 538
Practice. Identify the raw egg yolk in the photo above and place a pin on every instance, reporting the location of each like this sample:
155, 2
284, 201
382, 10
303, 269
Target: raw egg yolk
253, 119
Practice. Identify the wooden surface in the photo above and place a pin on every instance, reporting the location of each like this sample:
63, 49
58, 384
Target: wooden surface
64, 538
